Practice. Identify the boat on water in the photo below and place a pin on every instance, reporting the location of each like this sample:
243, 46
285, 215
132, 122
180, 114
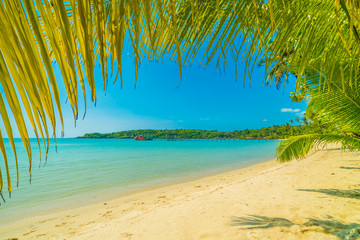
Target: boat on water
142, 138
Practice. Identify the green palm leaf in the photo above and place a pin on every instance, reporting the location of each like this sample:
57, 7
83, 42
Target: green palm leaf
76, 35
297, 147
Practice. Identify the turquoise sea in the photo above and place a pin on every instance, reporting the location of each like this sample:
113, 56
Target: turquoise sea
86, 171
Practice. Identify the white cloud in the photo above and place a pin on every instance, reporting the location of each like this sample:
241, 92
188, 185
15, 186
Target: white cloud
180, 121
300, 114
265, 120
289, 110
205, 119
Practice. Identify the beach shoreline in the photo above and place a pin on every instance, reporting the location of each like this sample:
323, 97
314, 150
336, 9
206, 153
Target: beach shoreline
214, 207
150, 187
107, 195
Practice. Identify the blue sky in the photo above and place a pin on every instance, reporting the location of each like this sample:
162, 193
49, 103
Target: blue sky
205, 99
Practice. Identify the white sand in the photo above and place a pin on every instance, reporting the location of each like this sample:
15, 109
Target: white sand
205, 208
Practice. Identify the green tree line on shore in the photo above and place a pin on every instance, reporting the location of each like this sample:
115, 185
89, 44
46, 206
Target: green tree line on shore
268, 133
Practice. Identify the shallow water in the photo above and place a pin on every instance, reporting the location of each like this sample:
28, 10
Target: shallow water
86, 171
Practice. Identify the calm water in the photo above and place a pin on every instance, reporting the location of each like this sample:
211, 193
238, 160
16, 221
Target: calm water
86, 171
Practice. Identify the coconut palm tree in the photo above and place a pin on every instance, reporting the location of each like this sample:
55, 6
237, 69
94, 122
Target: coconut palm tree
334, 103
294, 37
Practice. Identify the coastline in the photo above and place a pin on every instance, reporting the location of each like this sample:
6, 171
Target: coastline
208, 208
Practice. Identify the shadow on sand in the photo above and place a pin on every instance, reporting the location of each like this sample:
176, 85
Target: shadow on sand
258, 222
351, 168
353, 193
330, 225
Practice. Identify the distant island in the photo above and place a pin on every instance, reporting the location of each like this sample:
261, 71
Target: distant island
267, 133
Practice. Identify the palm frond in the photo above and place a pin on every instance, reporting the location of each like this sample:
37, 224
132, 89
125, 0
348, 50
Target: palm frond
77, 35
297, 147
339, 104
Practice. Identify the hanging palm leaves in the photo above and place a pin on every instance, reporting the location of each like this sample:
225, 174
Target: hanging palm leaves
76, 35
335, 101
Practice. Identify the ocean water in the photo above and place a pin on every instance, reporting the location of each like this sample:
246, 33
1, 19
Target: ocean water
86, 171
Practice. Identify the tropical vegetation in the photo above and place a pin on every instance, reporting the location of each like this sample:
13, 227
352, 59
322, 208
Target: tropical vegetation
315, 41
268, 133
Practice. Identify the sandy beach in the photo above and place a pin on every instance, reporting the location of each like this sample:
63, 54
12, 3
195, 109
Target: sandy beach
314, 198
